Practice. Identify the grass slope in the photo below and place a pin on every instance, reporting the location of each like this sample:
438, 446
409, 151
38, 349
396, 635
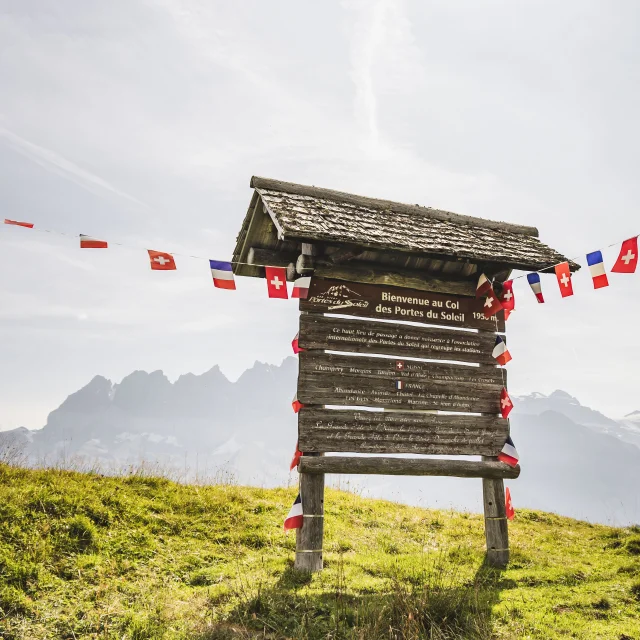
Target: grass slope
136, 558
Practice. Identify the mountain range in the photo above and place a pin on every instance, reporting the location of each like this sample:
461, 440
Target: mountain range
575, 460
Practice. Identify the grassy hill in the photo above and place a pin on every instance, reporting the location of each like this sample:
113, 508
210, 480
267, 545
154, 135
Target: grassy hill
137, 558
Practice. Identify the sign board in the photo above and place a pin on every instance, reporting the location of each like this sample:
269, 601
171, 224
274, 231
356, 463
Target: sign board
403, 432
397, 303
339, 334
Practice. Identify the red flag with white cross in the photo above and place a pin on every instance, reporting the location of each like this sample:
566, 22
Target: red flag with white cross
161, 261
276, 282
563, 273
510, 511
628, 259
505, 403
491, 304
507, 299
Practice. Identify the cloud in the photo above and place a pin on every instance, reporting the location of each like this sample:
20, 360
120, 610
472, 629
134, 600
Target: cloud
56, 163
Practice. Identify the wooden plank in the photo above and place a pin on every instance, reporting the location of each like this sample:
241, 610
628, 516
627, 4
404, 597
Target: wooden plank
333, 364
381, 275
397, 303
416, 395
339, 334
399, 432
495, 522
408, 467
309, 539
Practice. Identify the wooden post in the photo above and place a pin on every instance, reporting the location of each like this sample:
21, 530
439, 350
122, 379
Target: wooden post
495, 522
309, 538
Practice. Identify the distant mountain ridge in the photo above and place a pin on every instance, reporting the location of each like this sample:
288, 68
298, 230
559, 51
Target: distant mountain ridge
574, 460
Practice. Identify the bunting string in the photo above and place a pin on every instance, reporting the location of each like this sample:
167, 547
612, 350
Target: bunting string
223, 277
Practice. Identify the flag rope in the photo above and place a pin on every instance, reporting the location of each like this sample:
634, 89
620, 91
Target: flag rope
186, 255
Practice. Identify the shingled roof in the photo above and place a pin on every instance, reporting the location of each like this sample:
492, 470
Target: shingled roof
308, 213
425, 236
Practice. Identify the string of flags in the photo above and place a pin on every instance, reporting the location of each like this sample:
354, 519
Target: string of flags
221, 271
223, 278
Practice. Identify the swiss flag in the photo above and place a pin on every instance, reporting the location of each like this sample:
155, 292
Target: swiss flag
276, 282
505, 403
28, 225
507, 299
511, 514
296, 404
628, 259
491, 304
161, 261
296, 458
563, 273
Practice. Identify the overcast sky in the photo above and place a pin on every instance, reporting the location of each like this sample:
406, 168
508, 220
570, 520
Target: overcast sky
142, 122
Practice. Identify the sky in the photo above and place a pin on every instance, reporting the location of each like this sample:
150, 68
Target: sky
142, 122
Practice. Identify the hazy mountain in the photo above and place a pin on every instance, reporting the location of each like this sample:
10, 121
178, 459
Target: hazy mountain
575, 460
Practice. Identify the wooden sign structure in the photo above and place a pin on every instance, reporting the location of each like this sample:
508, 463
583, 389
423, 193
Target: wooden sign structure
397, 352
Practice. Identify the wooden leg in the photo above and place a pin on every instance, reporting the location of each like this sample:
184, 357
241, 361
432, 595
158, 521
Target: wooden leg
309, 538
495, 523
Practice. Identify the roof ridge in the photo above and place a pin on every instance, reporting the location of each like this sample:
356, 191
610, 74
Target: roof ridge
258, 182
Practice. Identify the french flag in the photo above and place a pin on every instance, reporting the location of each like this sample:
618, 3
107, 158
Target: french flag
87, 242
536, 287
399, 385
301, 287
509, 454
483, 286
222, 273
500, 351
295, 518
596, 266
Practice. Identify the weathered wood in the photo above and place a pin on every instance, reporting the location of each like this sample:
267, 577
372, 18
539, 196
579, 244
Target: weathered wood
305, 264
407, 467
413, 279
396, 303
387, 368
416, 395
344, 254
309, 538
339, 334
495, 522
258, 182
268, 257
399, 432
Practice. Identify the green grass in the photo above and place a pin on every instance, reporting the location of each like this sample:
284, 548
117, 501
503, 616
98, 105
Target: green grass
139, 558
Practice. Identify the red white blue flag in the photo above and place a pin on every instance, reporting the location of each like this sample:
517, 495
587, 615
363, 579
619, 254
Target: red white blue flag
598, 273
483, 286
222, 273
563, 273
295, 518
301, 287
500, 351
627, 261
505, 403
509, 454
536, 287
